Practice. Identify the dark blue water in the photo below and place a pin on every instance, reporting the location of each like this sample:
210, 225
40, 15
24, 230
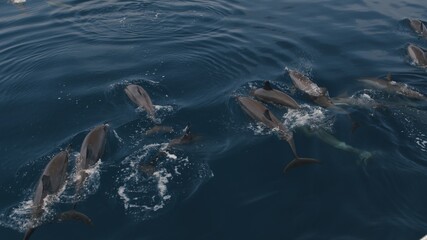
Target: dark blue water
63, 68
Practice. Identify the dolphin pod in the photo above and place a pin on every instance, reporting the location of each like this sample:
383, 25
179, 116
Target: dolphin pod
285, 100
51, 182
92, 149
418, 55
260, 113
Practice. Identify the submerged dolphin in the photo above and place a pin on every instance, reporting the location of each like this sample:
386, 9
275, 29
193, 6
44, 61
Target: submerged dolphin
334, 142
91, 151
418, 55
391, 86
419, 27
51, 181
268, 94
186, 138
141, 98
317, 94
260, 113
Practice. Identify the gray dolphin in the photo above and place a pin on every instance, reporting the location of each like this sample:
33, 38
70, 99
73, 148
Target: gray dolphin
418, 55
419, 27
141, 98
260, 113
188, 137
334, 142
391, 86
268, 94
91, 151
318, 94
50, 182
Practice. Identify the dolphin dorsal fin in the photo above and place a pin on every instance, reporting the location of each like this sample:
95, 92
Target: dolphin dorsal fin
267, 114
47, 186
389, 77
267, 86
139, 91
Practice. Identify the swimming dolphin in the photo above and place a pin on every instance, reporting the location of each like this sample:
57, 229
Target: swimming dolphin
391, 86
91, 151
419, 27
334, 142
317, 94
51, 181
418, 55
141, 98
268, 94
260, 113
186, 138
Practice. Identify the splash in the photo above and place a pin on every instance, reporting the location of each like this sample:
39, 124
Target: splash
18, 1
147, 195
118, 137
19, 217
312, 116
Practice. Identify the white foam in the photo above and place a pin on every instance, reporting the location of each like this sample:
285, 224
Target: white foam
162, 181
167, 108
170, 155
117, 136
312, 116
18, 1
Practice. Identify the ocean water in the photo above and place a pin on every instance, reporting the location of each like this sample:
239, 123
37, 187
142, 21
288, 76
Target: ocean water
64, 65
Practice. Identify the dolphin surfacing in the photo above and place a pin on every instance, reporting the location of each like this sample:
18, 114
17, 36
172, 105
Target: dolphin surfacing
268, 94
419, 27
50, 182
140, 97
91, 151
318, 94
418, 55
187, 138
393, 87
260, 113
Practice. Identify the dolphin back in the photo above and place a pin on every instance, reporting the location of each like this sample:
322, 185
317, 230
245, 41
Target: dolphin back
74, 215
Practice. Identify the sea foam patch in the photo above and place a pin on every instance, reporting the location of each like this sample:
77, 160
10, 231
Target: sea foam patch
311, 116
145, 195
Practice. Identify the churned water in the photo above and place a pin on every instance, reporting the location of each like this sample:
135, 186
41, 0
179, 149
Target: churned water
64, 65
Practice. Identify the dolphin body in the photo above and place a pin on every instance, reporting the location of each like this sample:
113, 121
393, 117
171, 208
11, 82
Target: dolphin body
419, 27
188, 137
391, 86
51, 181
317, 94
141, 98
418, 55
260, 113
268, 94
91, 151
326, 137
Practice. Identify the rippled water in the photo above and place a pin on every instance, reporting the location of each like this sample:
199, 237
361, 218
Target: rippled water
63, 68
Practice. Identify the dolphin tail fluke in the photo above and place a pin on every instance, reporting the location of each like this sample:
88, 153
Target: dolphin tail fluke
28, 233
74, 215
299, 162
